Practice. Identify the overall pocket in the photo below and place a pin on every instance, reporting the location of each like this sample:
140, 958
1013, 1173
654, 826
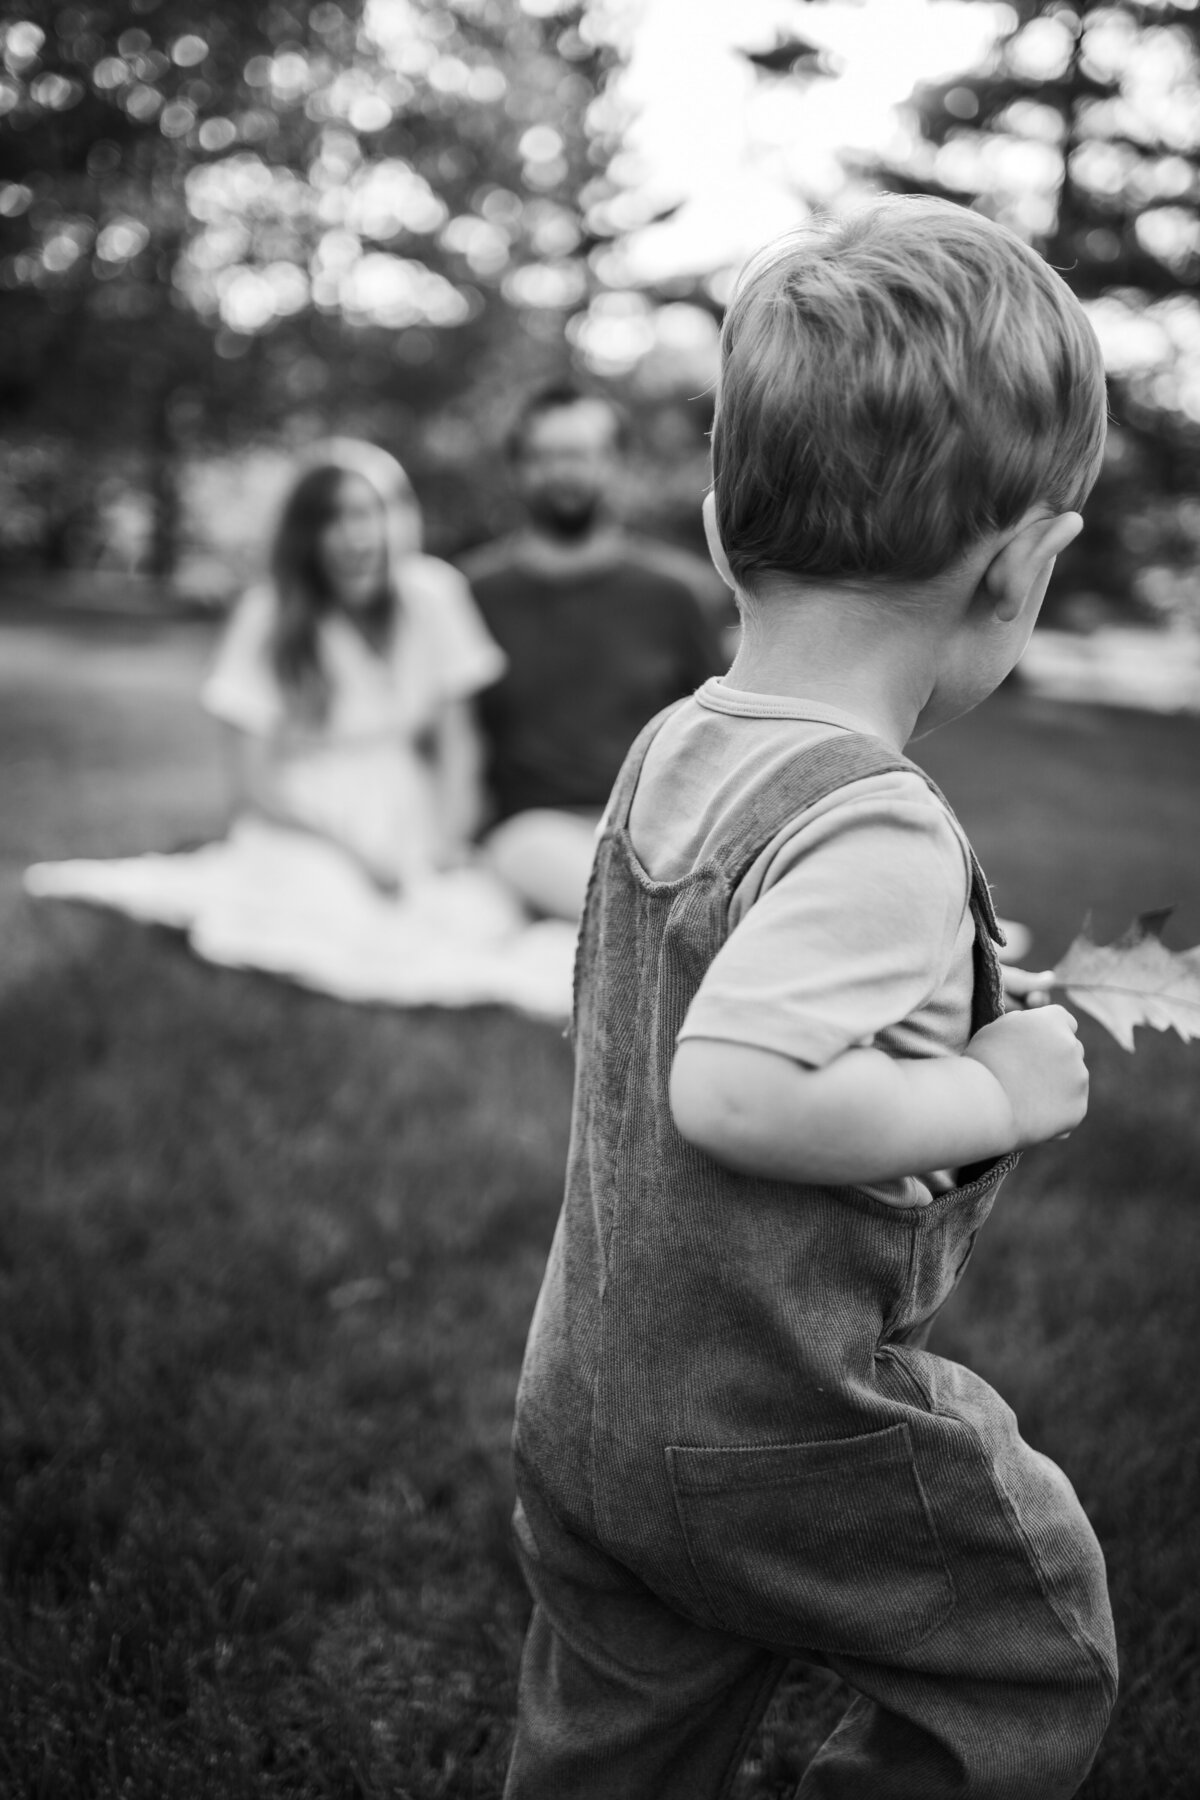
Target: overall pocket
827, 1546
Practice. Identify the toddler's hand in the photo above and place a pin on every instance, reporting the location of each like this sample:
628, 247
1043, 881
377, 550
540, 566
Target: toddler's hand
1038, 1061
1024, 987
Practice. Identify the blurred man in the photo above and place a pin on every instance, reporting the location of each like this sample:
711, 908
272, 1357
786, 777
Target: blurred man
601, 630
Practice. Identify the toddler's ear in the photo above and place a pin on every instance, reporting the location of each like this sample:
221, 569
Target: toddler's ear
1021, 569
713, 537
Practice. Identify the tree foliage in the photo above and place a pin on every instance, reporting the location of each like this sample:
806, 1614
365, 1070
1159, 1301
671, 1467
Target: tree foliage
1082, 130
214, 218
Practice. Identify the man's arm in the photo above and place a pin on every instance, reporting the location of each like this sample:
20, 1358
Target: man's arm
868, 1117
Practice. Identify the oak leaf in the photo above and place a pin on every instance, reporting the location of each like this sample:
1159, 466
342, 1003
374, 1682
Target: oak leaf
1135, 980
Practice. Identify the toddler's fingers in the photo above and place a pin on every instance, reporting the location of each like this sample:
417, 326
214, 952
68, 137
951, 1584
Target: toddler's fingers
1021, 981
1027, 987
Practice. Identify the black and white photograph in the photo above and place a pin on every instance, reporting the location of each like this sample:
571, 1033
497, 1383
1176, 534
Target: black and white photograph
599, 899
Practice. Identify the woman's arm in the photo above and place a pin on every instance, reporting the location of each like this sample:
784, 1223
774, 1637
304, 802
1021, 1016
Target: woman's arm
254, 782
253, 775
457, 767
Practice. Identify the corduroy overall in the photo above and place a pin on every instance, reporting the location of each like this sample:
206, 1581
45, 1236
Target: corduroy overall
731, 1448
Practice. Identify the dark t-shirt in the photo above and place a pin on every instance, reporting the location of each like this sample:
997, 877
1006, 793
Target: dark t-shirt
591, 657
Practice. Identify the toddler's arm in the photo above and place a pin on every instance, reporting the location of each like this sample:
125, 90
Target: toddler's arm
868, 1117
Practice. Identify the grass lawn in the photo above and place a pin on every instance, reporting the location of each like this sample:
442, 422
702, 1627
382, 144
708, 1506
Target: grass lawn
266, 1265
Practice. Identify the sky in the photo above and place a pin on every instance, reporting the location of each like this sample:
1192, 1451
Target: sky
739, 157
733, 156
736, 151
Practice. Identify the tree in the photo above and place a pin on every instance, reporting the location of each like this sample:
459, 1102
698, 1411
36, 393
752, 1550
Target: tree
1083, 132
94, 156
214, 217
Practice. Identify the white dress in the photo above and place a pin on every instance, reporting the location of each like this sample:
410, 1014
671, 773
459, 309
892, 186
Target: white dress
292, 902
360, 778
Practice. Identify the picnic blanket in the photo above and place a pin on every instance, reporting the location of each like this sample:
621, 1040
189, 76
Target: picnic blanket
294, 905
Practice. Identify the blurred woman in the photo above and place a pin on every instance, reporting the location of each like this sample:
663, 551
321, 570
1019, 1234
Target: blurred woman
345, 686
346, 681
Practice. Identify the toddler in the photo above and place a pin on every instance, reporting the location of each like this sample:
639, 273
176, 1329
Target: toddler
797, 1091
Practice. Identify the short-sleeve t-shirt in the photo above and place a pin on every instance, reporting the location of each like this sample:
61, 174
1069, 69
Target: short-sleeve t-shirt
440, 652
852, 927
593, 653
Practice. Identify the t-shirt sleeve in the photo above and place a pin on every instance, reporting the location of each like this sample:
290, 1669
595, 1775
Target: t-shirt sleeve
241, 687
854, 929
465, 656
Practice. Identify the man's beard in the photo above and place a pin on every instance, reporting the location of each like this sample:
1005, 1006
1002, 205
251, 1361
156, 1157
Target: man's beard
567, 520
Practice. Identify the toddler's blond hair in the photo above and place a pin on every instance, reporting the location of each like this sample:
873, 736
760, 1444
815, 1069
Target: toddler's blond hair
896, 384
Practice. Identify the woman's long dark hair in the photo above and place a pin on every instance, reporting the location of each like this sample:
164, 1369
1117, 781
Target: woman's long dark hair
305, 594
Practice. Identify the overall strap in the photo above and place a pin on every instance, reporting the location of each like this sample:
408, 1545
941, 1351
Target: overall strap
803, 782
811, 777
621, 800
981, 893
808, 778
987, 1002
